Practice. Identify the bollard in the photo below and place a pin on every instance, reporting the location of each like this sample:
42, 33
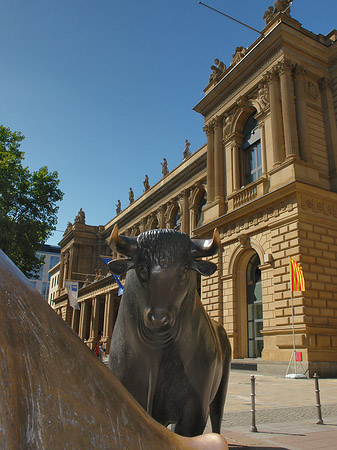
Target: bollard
318, 401
252, 381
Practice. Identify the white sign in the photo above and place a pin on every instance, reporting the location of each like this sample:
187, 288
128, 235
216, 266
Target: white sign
72, 289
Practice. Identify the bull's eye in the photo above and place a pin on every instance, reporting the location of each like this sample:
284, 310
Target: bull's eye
143, 272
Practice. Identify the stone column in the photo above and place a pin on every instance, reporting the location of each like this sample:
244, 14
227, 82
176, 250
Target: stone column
75, 320
288, 110
276, 117
61, 276
94, 319
108, 317
236, 166
83, 313
330, 129
183, 203
210, 163
218, 160
302, 114
65, 268
161, 216
263, 148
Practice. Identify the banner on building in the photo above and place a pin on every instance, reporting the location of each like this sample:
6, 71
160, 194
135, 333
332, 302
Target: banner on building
296, 277
72, 289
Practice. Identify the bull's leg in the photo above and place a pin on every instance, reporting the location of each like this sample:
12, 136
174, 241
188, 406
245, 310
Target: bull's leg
192, 421
217, 406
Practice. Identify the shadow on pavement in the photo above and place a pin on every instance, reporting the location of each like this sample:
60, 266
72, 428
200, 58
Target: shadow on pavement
281, 434
245, 447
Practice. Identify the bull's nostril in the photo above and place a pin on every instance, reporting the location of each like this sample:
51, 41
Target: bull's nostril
158, 320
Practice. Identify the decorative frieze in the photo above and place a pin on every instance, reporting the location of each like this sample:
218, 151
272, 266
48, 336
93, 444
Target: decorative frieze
283, 207
317, 205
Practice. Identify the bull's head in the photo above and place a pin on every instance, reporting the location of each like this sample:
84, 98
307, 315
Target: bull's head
163, 261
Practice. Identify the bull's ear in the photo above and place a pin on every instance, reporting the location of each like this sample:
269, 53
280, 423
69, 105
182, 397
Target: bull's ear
119, 266
205, 268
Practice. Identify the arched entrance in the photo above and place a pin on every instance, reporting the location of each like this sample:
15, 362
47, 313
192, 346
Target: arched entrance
254, 307
248, 340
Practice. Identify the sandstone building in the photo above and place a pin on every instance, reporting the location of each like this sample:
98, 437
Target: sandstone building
267, 179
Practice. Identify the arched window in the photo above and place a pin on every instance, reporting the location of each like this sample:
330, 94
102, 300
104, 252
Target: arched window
251, 147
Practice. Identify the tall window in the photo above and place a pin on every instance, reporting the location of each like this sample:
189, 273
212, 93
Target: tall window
254, 308
251, 147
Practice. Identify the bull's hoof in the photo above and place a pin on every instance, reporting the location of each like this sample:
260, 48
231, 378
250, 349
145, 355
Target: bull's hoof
209, 441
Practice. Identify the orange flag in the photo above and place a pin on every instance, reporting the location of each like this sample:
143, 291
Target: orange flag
296, 276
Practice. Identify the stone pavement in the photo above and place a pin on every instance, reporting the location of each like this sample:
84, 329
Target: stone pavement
286, 413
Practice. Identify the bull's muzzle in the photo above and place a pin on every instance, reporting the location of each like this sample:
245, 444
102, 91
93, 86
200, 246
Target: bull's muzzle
158, 318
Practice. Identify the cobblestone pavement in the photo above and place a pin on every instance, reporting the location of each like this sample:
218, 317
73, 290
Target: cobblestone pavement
286, 414
279, 415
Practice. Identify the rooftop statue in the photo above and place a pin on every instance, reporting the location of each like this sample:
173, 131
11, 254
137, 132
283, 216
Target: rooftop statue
118, 207
80, 218
164, 169
47, 403
280, 6
217, 70
239, 54
68, 228
146, 183
186, 152
165, 349
131, 196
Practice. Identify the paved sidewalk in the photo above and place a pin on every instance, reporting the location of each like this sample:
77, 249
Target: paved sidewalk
286, 413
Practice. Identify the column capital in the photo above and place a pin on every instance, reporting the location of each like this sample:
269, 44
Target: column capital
183, 195
285, 66
207, 128
272, 75
217, 122
299, 72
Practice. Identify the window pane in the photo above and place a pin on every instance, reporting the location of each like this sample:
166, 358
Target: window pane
259, 328
53, 261
251, 349
250, 330
258, 153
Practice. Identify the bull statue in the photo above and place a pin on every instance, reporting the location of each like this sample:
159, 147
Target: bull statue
54, 391
165, 349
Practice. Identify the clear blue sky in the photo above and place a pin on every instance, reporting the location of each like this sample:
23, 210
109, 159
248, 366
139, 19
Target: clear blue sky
104, 89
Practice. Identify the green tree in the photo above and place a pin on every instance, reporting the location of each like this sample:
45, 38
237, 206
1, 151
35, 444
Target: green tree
27, 204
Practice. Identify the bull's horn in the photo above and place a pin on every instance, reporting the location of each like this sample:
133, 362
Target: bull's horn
206, 247
122, 244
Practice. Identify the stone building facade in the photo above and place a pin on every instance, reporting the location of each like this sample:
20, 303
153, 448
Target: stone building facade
267, 179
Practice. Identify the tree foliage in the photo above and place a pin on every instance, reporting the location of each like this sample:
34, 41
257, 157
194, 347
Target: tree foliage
27, 204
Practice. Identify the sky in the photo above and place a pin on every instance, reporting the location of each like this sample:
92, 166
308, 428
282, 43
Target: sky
103, 90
